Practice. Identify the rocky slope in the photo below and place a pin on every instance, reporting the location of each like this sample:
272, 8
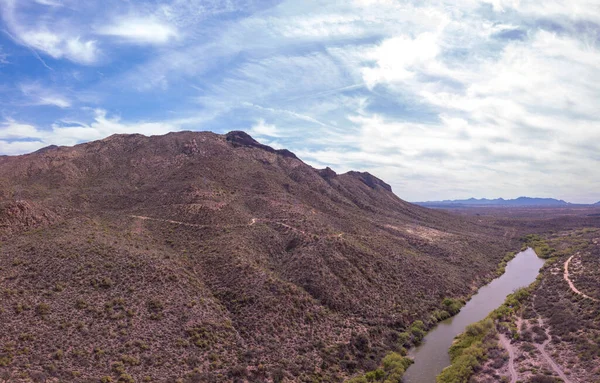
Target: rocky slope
202, 257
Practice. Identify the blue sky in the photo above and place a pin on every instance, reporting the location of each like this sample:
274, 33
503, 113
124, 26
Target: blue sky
442, 99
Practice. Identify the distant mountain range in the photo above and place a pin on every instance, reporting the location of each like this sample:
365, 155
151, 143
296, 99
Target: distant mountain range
521, 201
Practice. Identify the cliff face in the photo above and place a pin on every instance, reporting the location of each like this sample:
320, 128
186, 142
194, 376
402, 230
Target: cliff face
208, 257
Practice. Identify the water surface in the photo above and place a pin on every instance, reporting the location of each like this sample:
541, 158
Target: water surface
432, 355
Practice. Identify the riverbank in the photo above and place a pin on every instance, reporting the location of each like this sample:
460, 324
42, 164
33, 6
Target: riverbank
413, 335
472, 347
432, 356
555, 337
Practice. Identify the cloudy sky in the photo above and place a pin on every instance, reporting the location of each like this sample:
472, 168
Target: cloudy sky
442, 99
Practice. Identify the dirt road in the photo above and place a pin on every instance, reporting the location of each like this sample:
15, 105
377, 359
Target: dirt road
511, 358
571, 285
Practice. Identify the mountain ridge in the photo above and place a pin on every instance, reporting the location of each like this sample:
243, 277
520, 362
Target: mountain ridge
207, 257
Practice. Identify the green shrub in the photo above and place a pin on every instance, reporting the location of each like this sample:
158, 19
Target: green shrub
392, 369
417, 330
452, 306
403, 338
539, 245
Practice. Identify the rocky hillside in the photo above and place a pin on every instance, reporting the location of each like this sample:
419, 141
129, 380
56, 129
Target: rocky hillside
202, 257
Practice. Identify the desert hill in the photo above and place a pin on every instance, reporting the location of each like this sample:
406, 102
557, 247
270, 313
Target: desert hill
205, 257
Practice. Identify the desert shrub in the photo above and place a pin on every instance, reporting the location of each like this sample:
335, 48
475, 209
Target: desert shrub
361, 343
440, 315
358, 379
130, 360
452, 306
417, 331
392, 369
42, 309
126, 378
543, 379
403, 338
5, 359
155, 308
467, 352
81, 304
459, 371
539, 245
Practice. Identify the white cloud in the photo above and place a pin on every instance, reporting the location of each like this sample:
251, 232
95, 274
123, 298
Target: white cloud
18, 138
11, 129
262, 129
38, 95
57, 44
576, 9
51, 3
139, 30
396, 58
3, 57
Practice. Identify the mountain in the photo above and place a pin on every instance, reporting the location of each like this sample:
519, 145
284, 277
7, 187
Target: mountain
200, 257
521, 201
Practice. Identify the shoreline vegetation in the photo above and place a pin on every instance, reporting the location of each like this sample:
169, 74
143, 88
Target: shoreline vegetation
471, 348
395, 363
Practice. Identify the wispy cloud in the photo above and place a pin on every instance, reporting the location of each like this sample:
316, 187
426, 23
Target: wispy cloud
139, 30
46, 38
3, 57
38, 95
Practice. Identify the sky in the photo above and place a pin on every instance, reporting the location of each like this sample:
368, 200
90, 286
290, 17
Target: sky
441, 99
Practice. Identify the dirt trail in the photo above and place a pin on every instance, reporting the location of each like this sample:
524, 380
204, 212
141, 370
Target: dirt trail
542, 349
251, 223
511, 358
169, 221
571, 285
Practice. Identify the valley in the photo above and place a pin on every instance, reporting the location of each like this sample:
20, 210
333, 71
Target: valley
197, 257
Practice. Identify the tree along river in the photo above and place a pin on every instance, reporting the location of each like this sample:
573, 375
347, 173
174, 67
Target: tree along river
431, 357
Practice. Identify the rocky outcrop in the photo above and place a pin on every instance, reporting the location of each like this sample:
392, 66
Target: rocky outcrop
370, 180
327, 173
240, 139
20, 215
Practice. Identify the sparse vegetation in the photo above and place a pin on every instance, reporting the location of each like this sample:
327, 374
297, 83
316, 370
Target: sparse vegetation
231, 262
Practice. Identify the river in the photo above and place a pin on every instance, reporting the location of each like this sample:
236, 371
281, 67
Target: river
431, 357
